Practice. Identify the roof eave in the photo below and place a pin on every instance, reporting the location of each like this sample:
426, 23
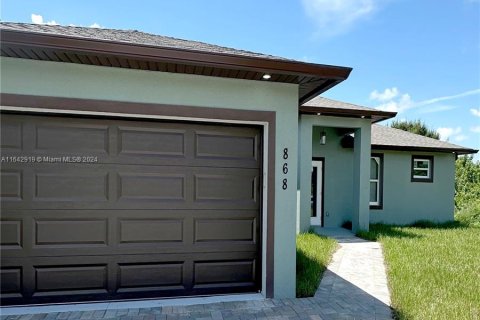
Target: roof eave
374, 115
333, 74
424, 149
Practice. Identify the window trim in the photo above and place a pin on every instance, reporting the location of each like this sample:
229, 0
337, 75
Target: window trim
322, 207
430, 170
378, 205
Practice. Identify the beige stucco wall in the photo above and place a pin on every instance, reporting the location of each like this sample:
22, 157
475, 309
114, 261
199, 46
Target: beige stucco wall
42, 78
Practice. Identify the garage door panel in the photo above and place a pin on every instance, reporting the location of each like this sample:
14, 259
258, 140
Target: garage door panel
215, 145
55, 136
151, 186
150, 276
232, 273
126, 276
110, 232
11, 185
71, 187
11, 234
11, 280
43, 277
212, 230
52, 279
50, 139
84, 186
11, 138
150, 230
71, 233
226, 187
98, 209
141, 141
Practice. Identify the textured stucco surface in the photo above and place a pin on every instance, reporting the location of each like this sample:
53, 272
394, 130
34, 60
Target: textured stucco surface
340, 169
405, 202
42, 78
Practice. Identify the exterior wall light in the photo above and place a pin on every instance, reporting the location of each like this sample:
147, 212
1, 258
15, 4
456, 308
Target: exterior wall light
323, 138
266, 76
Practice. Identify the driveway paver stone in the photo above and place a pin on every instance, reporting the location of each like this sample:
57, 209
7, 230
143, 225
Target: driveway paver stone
354, 286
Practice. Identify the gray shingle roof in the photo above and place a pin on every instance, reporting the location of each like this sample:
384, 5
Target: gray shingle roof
329, 103
325, 106
132, 37
387, 137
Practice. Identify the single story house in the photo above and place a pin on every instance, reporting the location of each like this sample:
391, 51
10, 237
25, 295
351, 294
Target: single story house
136, 165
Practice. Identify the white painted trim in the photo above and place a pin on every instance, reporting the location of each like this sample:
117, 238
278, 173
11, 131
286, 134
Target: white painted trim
428, 169
377, 181
210, 120
118, 305
317, 221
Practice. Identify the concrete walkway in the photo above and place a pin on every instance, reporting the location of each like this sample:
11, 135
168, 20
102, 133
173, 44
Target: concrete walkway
355, 282
353, 287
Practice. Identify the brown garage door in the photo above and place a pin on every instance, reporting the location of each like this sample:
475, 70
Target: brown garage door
109, 209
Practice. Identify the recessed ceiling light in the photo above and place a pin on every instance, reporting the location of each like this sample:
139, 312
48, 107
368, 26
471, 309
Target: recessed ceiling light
266, 76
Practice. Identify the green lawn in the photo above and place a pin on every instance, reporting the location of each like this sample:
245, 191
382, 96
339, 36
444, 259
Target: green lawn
433, 271
313, 254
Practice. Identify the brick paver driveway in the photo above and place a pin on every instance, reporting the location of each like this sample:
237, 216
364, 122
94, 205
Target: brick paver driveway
353, 287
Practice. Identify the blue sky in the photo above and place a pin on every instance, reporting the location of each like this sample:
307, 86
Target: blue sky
418, 57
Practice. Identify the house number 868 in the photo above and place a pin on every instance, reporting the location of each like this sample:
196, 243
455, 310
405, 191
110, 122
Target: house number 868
285, 169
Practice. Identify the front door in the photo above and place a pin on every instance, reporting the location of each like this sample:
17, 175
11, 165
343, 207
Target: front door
316, 215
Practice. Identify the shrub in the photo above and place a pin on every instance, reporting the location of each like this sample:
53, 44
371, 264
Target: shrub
467, 182
469, 214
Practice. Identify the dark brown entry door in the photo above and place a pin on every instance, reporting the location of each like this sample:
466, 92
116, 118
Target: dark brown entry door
96, 209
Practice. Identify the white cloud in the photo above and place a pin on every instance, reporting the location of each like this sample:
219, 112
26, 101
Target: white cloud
38, 19
446, 133
95, 25
452, 133
333, 17
387, 94
444, 98
396, 104
391, 99
475, 112
475, 129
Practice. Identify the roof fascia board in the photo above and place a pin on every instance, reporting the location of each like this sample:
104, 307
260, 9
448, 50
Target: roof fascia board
424, 149
153, 53
374, 114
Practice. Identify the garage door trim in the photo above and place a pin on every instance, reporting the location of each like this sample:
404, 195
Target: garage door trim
106, 108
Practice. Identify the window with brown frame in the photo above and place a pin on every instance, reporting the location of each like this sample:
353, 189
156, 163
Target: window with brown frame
376, 181
422, 169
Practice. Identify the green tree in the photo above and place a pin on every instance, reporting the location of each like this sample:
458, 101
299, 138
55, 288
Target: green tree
415, 126
467, 191
467, 181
